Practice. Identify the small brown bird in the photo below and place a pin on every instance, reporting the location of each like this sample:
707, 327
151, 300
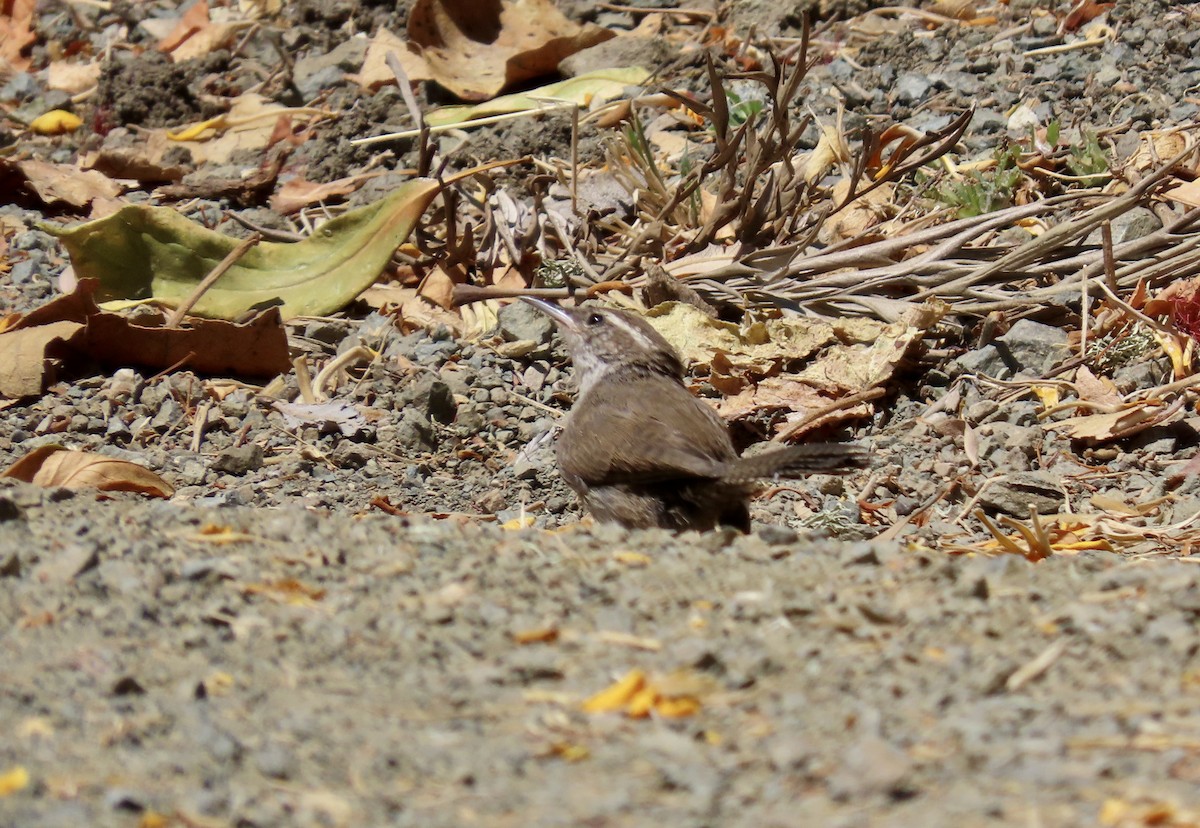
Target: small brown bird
641, 451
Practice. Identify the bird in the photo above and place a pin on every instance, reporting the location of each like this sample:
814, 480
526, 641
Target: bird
641, 451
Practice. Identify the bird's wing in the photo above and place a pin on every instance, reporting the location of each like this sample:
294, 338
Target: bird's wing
674, 437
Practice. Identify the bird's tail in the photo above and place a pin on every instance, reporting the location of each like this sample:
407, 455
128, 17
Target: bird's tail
798, 461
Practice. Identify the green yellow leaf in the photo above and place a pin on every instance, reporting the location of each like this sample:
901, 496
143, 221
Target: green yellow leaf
143, 252
583, 90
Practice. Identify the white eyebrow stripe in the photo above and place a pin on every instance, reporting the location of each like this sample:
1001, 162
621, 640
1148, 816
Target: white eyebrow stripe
632, 331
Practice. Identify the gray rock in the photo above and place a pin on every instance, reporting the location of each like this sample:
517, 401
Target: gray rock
312, 74
349, 455
1030, 349
429, 395
1016, 493
415, 431
620, 51
911, 88
520, 321
239, 459
869, 767
1129, 226
275, 761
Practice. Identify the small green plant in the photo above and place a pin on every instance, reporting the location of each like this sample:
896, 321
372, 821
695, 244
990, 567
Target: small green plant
1089, 161
557, 273
741, 109
984, 191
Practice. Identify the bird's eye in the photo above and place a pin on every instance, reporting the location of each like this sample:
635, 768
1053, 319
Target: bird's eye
595, 319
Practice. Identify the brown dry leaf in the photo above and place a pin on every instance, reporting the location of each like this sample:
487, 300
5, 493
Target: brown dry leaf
72, 77
143, 161
475, 48
1083, 13
287, 591
16, 33
412, 312
298, 193
27, 357
59, 467
1187, 193
197, 35
375, 72
854, 368
1101, 427
758, 348
774, 393
1156, 147
257, 348
1100, 390
438, 287
248, 125
193, 20
864, 212
957, 9
72, 327
56, 184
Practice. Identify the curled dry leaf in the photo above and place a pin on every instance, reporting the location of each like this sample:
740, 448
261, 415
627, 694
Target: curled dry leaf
58, 184
28, 358
197, 35
297, 193
376, 73
250, 124
475, 48
758, 347
16, 32
155, 253
73, 77
1115, 424
59, 467
71, 331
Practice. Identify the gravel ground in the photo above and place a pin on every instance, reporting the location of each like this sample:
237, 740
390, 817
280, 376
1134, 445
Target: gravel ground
338, 626
299, 667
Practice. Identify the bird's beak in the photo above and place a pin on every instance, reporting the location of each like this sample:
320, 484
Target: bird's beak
553, 311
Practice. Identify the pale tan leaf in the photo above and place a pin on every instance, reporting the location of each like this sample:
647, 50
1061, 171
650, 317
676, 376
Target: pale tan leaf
759, 347
72, 77
16, 33
64, 183
1187, 193
1100, 390
475, 48
297, 193
56, 466
1105, 426
376, 73
24, 354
